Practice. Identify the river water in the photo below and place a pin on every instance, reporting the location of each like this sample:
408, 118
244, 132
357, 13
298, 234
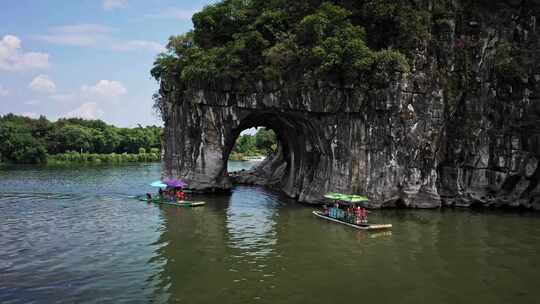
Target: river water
75, 235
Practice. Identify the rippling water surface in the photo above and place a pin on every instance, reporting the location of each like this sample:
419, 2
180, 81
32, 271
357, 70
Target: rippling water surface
76, 235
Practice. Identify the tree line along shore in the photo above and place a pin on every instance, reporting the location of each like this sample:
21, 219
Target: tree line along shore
38, 141
28, 140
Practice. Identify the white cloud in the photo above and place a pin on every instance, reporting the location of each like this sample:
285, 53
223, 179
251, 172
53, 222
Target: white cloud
83, 28
105, 90
42, 84
85, 102
139, 45
30, 114
77, 35
96, 35
12, 58
174, 13
32, 102
250, 131
88, 110
65, 97
3, 92
112, 4
103, 93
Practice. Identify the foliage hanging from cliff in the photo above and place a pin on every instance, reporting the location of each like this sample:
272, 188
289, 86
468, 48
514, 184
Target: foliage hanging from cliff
242, 41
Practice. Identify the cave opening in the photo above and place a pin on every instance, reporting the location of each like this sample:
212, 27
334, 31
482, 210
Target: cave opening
252, 147
286, 163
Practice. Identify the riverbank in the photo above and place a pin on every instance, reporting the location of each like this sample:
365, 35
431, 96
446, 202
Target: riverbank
112, 158
245, 156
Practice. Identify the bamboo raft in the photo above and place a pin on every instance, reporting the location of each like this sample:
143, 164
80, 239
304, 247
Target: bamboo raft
360, 226
177, 203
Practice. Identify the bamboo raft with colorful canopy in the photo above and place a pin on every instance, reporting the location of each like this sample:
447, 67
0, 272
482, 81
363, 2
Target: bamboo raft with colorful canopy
339, 216
161, 199
357, 226
171, 203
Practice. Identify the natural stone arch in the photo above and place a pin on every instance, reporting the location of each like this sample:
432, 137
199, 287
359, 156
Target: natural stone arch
456, 126
353, 140
298, 148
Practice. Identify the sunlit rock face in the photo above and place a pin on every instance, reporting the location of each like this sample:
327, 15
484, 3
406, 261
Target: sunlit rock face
454, 131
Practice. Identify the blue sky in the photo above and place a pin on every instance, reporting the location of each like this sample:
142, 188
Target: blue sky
86, 58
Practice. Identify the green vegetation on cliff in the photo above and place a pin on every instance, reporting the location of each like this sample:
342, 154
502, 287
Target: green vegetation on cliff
27, 140
240, 41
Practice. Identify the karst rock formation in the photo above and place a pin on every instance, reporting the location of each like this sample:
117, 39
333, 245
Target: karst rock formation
461, 128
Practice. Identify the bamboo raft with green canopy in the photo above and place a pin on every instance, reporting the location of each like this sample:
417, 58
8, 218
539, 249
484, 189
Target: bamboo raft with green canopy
173, 195
347, 211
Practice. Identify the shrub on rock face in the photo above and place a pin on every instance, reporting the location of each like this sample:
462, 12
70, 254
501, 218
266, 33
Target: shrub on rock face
246, 41
330, 44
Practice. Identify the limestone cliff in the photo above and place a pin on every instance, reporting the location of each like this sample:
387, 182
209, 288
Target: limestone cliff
461, 128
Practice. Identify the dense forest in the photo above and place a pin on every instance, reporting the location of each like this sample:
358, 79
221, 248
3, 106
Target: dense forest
237, 45
27, 140
262, 143
238, 42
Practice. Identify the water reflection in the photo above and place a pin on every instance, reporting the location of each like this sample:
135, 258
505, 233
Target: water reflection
251, 221
225, 246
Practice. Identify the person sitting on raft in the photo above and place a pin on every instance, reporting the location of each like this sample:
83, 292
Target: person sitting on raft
179, 195
166, 194
335, 211
364, 215
361, 215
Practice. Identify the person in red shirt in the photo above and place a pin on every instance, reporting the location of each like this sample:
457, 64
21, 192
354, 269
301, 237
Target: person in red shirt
179, 195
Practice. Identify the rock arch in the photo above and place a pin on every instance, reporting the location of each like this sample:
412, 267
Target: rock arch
332, 139
457, 126
298, 148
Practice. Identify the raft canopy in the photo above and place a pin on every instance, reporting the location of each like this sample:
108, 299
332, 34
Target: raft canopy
175, 183
171, 183
350, 198
158, 184
354, 198
333, 195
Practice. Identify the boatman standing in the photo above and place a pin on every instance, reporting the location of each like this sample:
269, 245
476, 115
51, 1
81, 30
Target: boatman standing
358, 213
